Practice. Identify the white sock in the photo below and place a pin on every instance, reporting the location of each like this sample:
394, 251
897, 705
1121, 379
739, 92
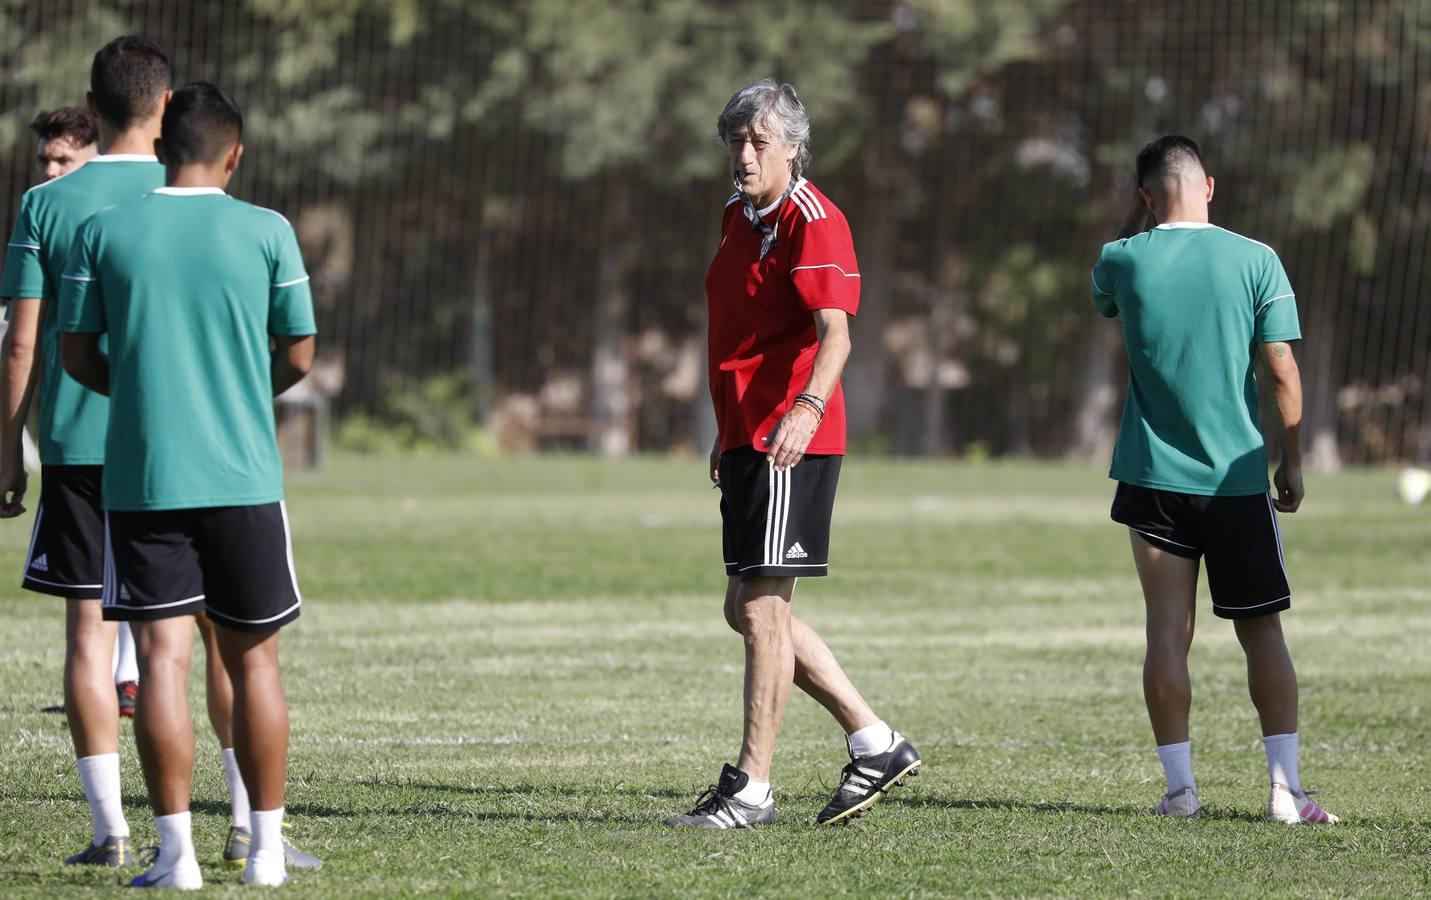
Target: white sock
266, 851
1282, 760
1177, 765
126, 661
176, 840
238, 794
755, 793
871, 739
100, 776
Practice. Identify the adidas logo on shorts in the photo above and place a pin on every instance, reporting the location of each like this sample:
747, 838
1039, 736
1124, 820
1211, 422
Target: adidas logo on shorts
796, 552
41, 563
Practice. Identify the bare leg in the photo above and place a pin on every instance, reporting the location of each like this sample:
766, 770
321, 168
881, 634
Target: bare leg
1271, 679
763, 612
817, 672
1170, 595
260, 720
91, 705
162, 726
219, 689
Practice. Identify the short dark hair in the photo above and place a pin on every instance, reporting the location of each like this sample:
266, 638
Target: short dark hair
69, 122
128, 79
1168, 153
200, 125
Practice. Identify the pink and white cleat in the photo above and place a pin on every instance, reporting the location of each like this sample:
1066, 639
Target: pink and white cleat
1178, 805
1296, 808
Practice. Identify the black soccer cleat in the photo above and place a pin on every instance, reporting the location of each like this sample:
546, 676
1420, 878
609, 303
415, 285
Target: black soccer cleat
717, 807
866, 779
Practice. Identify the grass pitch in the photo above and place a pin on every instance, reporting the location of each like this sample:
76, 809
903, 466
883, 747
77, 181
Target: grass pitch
507, 673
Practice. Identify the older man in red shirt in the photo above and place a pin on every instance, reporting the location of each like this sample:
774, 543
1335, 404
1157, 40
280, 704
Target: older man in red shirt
781, 289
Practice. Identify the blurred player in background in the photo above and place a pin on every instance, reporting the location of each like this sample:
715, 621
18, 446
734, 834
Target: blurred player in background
781, 289
192, 288
1200, 308
65, 139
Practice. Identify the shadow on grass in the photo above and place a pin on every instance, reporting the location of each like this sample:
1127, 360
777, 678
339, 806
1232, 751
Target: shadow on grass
221, 808
918, 801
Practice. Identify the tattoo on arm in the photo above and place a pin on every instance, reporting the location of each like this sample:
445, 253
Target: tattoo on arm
1279, 351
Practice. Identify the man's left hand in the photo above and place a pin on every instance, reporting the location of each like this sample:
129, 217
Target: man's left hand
791, 436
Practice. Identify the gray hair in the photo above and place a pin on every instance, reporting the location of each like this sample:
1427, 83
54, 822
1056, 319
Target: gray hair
769, 102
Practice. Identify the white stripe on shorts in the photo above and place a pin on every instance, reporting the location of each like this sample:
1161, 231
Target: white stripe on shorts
34, 535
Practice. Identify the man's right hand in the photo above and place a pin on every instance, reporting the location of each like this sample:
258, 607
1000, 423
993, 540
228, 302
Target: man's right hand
715, 462
13, 482
1288, 481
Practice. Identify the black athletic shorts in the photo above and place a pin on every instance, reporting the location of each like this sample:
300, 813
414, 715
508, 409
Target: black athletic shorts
66, 555
233, 562
1237, 536
776, 523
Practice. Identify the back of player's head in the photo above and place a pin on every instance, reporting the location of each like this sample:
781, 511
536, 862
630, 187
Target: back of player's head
69, 122
128, 80
1170, 156
201, 124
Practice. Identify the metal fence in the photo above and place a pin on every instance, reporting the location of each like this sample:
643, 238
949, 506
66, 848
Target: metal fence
508, 207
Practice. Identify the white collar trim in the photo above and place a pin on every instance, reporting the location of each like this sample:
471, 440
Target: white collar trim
124, 157
771, 208
188, 191
1172, 226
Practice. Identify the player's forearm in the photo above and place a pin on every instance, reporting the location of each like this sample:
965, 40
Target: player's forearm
830, 359
292, 358
1285, 387
84, 361
17, 369
1135, 220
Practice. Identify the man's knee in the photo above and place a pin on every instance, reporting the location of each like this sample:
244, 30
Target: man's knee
1259, 632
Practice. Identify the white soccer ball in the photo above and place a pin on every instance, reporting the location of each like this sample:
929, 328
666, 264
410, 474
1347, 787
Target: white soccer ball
1413, 485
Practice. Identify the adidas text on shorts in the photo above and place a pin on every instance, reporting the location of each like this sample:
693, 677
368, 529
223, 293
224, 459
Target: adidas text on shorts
233, 562
1236, 537
776, 523
66, 556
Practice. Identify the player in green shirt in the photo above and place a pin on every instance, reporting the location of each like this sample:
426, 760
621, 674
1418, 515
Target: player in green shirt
208, 314
129, 84
1200, 307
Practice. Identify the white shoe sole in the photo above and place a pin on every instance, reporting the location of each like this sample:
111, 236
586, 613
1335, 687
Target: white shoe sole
859, 808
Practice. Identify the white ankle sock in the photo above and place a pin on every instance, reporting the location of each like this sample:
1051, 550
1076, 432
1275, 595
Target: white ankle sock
755, 793
871, 739
1282, 760
176, 840
1177, 765
267, 848
126, 663
238, 794
100, 776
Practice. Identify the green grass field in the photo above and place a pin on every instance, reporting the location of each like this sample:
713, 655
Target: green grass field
508, 672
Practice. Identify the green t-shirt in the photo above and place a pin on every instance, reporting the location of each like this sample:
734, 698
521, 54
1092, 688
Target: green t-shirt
72, 419
189, 284
1194, 301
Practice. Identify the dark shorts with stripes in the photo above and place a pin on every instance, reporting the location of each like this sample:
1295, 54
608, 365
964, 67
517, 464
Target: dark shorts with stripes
233, 562
1236, 536
776, 523
66, 557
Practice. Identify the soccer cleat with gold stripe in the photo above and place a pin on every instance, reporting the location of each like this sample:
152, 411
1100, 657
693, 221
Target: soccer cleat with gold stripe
113, 853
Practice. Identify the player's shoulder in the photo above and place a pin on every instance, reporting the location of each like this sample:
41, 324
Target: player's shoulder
811, 208
69, 185
259, 219
1243, 243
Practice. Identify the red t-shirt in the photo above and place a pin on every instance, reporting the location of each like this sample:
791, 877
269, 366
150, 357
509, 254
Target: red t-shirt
762, 333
